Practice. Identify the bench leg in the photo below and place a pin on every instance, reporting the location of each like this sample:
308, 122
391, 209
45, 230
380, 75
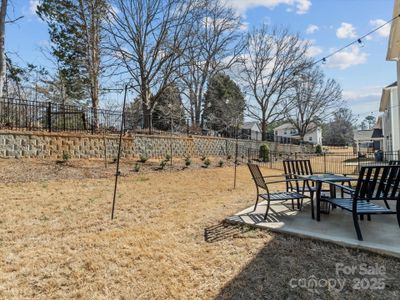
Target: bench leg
357, 227
266, 213
398, 212
312, 205
255, 206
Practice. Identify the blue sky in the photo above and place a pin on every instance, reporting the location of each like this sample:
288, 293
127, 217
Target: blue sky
328, 24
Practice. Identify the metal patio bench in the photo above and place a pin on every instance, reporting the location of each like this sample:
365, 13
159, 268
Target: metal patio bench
375, 183
262, 183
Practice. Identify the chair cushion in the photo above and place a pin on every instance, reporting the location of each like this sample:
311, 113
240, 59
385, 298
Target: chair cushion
363, 206
281, 196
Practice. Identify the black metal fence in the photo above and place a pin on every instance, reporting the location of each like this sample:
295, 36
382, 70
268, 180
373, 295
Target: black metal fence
47, 116
338, 163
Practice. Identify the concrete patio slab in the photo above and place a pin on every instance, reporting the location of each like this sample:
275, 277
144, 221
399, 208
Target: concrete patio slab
381, 234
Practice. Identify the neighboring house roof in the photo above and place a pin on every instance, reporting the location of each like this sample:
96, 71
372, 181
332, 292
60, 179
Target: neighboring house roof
250, 125
363, 135
385, 98
290, 126
377, 133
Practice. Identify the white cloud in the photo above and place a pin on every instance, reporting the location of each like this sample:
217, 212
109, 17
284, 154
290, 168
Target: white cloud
241, 6
33, 4
346, 31
347, 58
371, 92
314, 51
311, 29
384, 31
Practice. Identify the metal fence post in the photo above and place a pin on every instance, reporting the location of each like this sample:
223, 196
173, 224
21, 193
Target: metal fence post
324, 162
49, 116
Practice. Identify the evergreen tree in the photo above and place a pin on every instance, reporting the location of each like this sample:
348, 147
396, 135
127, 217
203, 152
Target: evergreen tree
224, 104
339, 132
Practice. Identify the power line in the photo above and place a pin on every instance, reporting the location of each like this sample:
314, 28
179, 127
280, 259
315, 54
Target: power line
356, 41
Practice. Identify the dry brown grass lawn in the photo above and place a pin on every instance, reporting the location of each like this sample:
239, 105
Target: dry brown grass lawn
57, 241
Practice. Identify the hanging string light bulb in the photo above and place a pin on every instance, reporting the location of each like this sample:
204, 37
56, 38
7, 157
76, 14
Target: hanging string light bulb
360, 43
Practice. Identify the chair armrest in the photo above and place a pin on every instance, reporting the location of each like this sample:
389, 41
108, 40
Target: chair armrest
274, 176
286, 180
343, 187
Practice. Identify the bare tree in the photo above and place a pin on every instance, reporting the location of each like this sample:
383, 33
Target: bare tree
313, 100
271, 59
3, 14
149, 36
214, 46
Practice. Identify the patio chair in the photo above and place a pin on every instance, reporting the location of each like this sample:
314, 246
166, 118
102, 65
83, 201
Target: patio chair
262, 184
394, 163
375, 183
294, 168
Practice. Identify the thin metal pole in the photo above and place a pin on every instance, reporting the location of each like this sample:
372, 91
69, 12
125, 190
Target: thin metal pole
236, 156
117, 173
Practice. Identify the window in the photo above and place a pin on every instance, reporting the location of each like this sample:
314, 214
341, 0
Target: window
310, 138
285, 132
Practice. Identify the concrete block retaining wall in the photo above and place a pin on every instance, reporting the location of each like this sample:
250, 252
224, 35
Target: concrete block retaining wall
54, 145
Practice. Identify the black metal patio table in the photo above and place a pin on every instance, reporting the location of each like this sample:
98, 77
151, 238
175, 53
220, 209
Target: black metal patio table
319, 180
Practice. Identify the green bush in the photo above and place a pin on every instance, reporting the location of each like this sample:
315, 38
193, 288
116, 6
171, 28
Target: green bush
228, 157
318, 149
264, 153
221, 163
188, 161
143, 158
136, 168
163, 163
66, 156
203, 158
206, 163
167, 157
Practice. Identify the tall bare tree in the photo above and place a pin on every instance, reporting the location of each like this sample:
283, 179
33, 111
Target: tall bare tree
3, 14
214, 46
149, 37
269, 65
313, 99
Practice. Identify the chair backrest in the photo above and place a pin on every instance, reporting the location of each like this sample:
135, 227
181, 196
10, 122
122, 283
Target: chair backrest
257, 176
394, 163
378, 183
297, 167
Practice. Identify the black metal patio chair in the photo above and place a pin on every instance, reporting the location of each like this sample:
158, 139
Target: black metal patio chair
294, 168
375, 183
262, 184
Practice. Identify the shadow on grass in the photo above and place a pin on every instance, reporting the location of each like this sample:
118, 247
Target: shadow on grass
223, 231
280, 268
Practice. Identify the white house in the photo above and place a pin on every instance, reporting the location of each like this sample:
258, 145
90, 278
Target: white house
251, 131
287, 131
390, 119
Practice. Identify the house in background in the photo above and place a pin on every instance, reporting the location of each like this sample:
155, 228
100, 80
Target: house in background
287, 132
390, 118
250, 131
369, 140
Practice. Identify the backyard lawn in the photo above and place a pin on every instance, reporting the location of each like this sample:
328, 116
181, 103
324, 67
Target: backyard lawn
57, 240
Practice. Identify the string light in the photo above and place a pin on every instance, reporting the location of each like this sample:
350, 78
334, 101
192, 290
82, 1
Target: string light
358, 41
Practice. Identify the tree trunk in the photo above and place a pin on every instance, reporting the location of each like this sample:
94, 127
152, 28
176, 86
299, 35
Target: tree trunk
263, 130
3, 13
147, 118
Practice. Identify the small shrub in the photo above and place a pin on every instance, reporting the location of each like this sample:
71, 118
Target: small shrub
221, 163
228, 157
167, 157
163, 163
264, 153
318, 149
143, 158
66, 156
203, 158
188, 161
136, 168
206, 163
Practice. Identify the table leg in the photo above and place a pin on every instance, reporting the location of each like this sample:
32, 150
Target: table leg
318, 199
